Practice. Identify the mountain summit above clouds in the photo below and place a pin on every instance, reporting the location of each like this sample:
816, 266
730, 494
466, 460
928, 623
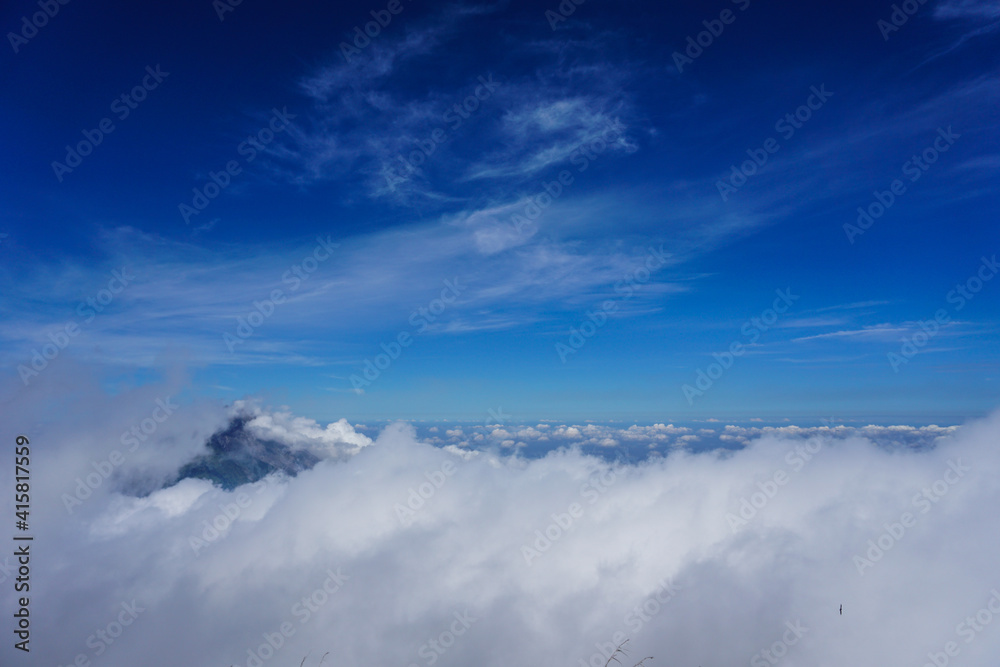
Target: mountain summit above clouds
239, 456
256, 442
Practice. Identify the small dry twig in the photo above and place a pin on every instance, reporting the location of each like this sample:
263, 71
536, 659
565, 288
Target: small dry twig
620, 649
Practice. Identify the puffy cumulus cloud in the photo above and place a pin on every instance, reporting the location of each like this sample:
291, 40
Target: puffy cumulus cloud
404, 553
885, 436
631, 441
656, 432
337, 440
567, 432
908, 434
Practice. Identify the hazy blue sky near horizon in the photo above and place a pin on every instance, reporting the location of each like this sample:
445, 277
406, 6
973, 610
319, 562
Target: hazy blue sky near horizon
592, 180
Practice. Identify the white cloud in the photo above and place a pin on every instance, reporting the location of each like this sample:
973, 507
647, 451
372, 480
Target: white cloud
358, 122
337, 439
967, 9
877, 331
639, 531
190, 297
547, 130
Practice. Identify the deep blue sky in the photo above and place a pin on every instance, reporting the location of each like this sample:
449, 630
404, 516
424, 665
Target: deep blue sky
607, 71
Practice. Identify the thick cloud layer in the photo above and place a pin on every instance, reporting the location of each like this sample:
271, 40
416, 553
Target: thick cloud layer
402, 552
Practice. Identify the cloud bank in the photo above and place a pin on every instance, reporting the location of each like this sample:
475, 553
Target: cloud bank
399, 551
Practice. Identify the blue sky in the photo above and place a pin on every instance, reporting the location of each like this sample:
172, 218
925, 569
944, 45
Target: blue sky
515, 176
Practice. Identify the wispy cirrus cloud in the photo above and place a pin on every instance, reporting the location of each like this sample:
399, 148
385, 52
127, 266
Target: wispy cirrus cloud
967, 9
363, 120
547, 129
876, 331
188, 297
893, 332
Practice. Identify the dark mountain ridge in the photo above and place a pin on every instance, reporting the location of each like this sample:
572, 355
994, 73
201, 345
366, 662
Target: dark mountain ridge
237, 456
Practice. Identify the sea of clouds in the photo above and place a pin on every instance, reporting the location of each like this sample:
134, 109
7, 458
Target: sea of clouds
394, 550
